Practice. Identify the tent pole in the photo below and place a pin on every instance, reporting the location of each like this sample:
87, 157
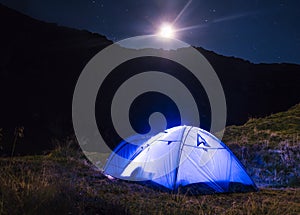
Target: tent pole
179, 154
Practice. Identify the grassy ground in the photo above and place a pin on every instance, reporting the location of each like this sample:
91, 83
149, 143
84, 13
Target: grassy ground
269, 147
63, 182
68, 185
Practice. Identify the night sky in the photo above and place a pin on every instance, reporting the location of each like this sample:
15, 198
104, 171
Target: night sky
259, 30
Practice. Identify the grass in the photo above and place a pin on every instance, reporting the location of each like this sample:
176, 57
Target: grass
269, 147
270, 130
69, 185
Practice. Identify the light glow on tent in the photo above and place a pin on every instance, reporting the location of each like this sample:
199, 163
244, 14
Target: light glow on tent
174, 158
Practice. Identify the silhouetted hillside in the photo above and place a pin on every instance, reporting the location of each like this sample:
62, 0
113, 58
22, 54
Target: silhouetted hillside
255, 90
41, 62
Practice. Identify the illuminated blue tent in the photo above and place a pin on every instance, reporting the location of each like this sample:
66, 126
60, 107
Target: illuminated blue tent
182, 157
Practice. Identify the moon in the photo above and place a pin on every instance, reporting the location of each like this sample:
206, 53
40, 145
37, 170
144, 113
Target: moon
166, 31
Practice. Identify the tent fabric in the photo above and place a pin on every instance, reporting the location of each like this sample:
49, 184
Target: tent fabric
181, 157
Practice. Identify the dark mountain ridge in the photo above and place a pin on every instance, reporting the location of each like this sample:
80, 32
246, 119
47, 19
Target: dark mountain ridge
41, 62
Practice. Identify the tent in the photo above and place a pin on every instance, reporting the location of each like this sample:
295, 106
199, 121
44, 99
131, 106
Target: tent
183, 157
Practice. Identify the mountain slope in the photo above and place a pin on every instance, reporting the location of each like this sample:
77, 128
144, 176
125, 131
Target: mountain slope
41, 62
39, 66
282, 126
